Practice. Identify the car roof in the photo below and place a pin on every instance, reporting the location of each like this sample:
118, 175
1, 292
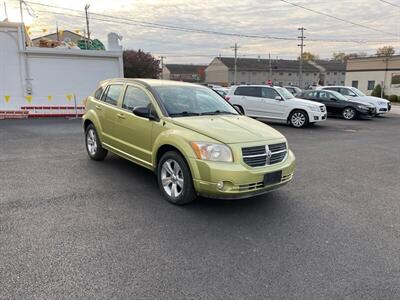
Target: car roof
151, 82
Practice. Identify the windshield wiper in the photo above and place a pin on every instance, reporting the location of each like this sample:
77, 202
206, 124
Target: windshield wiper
184, 114
218, 112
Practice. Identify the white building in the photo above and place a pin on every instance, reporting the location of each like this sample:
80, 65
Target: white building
49, 80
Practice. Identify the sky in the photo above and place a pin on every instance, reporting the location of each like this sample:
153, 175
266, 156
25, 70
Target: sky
134, 21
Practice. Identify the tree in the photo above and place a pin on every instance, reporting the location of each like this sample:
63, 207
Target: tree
341, 56
139, 64
377, 91
385, 51
309, 56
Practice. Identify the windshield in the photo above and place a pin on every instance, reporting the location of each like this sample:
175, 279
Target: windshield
285, 93
339, 96
180, 101
358, 92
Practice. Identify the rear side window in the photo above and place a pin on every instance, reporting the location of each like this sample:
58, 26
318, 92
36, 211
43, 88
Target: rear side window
269, 93
98, 92
251, 91
324, 95
134, 97
311, 94
112, 93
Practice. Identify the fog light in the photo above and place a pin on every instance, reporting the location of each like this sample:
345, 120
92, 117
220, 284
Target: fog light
220, 185
316, 118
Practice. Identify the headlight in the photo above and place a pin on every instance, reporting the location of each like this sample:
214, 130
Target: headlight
214, 152
315, 108
382, 103
362, 107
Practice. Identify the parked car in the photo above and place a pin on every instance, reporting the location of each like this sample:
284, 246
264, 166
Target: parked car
382, 105
339, 105
275, 104
294, 90
194, 140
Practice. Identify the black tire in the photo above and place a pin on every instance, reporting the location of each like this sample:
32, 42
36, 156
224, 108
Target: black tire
241, 110
91, 136
298, 118
187, 193
349, 113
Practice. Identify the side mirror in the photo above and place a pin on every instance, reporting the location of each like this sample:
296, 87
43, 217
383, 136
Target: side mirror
144, 112
278, 98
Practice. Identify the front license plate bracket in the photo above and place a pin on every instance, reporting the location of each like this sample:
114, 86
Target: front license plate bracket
272, 178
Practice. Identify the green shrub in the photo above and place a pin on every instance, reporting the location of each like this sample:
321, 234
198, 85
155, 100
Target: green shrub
376, 92
393, 98
385, 97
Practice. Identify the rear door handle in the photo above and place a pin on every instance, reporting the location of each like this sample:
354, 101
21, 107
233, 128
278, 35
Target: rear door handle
121, 116
98, 107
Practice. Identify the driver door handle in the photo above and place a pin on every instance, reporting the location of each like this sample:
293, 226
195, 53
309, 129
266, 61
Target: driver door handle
121, 116
98, 107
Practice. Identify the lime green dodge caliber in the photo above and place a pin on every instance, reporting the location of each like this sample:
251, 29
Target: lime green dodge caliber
195, 141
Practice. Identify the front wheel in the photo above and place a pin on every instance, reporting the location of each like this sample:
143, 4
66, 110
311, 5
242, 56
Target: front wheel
174, 179
298, 119
349, 113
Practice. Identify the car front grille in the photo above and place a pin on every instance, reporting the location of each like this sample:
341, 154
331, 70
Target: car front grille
260, 156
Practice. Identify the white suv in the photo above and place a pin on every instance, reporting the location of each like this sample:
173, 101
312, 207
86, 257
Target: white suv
382, 105
275, 104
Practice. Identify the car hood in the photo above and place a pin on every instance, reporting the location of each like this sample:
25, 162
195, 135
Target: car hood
306, 102
370, 99
229, 129
355, 101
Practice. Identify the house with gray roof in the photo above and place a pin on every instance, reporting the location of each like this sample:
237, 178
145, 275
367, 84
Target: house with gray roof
184, 72
259, 71
280, 71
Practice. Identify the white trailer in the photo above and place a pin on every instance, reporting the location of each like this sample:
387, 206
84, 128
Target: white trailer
49, 81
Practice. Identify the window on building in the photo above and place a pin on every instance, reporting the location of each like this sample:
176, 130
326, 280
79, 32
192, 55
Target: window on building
343, 73
307, 74
281, 73
334, 73
315, 74
342, 82
254, 73
354, 83
328, 73
370, 85
395, 79
290, 74
243, 73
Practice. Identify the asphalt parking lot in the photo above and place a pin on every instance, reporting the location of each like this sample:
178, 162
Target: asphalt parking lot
74, 228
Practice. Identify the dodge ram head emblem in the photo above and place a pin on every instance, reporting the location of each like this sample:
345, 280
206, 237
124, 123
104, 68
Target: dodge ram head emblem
268, 154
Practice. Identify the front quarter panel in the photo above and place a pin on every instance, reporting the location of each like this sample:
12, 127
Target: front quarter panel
92, 116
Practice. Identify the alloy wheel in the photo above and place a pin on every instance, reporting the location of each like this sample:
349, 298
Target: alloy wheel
91, 142
172, 178
348, 113
298, 119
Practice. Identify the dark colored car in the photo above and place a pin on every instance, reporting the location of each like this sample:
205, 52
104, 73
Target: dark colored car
294, 90
338, 105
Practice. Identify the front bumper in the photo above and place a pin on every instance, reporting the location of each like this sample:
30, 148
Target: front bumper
381, 109
240, 181
317, 116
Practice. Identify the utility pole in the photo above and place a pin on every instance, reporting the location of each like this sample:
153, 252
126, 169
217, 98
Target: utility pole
270, 66
235, 48
20, 11
87, 25
301, 45
162, 66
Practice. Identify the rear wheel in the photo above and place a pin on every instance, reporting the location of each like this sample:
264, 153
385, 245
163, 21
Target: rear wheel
349, 113
174, 179
298, 118
93, 145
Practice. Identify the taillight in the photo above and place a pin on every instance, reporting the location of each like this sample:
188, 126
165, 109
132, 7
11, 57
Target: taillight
227, 98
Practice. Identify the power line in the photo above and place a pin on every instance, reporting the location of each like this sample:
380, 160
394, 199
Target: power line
390, 3
185, 29
337, 18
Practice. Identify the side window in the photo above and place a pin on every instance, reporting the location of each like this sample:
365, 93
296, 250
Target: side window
112, 94
251, 91
98, 92
347, 92
311, 94
324, 95
269, 93
134, 97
